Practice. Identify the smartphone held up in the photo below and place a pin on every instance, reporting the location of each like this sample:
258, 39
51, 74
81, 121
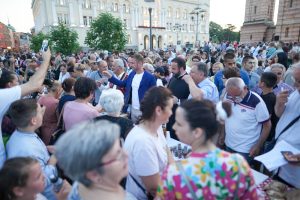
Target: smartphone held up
44, 47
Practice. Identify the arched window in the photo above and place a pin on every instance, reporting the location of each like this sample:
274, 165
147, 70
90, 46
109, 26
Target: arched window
287, 32
124, 8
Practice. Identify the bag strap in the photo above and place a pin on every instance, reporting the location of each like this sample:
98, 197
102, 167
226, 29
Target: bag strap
186, 179
60, 122
138, 184
287, 127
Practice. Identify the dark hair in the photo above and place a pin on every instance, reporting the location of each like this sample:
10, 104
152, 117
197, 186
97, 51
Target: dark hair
166, 68
14, 173
180, 62
269, 78
231, 72
22, 111
229, 56
246, 58
138, 57
6, 77
84, 87
206, 117
67, 84
156, 96
203, 68
62, 65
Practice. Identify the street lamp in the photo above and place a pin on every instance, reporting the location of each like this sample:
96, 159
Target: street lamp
196, 12
177, 27
150, 24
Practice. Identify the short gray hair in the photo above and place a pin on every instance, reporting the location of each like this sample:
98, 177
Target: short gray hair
202, 67
278, 65
148, 67
82, 148
119, 62
235, 82
112, 101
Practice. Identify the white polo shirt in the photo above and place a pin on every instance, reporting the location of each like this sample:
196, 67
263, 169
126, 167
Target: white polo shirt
290, 173
243, 127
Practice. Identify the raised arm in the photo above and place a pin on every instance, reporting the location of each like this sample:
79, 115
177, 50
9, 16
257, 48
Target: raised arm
36, 81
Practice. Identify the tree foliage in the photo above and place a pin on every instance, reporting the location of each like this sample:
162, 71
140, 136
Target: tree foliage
218, 34
36, 41
107, 33
64, 39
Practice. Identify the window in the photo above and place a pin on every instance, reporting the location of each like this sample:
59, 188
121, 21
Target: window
250, 37
116, 7
255, 9
85, 22
125, 23
63, 18
66, 18
86, 4
268, 10
102, 5
90, 20
177, 13
124, 8
169, 12
61, 2
291, 3
287, 32
185, 14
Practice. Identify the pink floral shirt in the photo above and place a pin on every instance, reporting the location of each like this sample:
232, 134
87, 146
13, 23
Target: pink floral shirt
212, 175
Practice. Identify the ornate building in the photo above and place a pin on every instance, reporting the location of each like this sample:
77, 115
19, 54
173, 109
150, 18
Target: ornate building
259, 26
171, 19
288, 21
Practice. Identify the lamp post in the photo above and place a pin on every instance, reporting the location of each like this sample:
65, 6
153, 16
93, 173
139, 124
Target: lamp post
196, 12
177, 27
150, 25
150, 21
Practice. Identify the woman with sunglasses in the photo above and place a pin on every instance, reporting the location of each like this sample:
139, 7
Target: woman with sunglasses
91, 154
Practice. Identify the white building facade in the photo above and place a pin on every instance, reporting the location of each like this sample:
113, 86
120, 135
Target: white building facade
172, 21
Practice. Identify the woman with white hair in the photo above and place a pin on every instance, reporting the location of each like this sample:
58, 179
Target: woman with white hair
112, 101
91, 154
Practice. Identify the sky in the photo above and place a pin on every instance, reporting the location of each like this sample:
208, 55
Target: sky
19, 13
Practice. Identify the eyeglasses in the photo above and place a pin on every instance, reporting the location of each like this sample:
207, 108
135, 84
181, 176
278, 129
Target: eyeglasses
279, 73
236, 99
119, 157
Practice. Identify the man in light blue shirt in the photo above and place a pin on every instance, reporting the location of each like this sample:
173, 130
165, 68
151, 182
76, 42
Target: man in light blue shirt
199, 75
27, 115
248, 65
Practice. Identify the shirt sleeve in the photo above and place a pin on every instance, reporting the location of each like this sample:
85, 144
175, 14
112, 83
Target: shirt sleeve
261, 111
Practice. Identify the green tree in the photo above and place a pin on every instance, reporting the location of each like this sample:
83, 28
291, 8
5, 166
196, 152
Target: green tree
215, 32
64, 39
36, 41
107, 33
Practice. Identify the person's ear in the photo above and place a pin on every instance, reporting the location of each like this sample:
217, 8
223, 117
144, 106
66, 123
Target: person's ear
93, 176
18, 191
158, 110
198, 133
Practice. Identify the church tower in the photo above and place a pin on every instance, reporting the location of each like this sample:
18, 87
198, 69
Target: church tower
288, 21
258, 23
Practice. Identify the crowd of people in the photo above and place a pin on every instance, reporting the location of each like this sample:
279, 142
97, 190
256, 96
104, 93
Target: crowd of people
114, 112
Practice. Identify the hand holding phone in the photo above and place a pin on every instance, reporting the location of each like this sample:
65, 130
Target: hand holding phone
290, 157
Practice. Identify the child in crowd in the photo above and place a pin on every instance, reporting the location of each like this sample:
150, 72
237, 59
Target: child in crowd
21, 178
267, 82
27, 115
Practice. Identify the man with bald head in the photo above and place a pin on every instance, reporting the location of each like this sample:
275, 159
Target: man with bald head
249, 125
101, 79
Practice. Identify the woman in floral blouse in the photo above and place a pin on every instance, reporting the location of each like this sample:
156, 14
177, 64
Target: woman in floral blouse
210, 172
